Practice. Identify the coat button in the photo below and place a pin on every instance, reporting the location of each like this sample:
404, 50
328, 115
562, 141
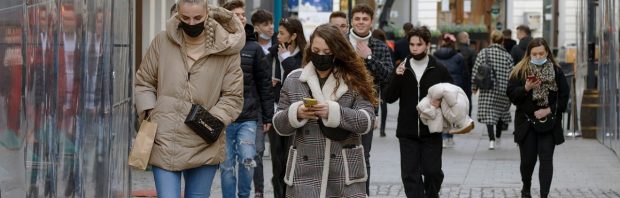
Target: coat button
332, 156
305, 158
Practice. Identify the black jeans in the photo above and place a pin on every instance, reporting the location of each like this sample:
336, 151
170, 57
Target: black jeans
421, 158
367, 143
498, 130
279, 146
383, 117
535, 146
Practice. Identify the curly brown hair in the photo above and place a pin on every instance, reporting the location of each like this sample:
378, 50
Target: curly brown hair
349, 66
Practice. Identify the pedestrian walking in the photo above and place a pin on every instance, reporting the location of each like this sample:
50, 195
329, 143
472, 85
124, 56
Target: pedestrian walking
263, 27
493, 104
327, 158
540, 91
237, 170
469, 54
509, 43
420, 150
339, 19
524, 34
376, 57
286, 56
380, 34
448, 56
195, 61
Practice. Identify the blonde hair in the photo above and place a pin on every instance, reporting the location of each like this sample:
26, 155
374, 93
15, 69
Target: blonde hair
522, 69
204, 3
497, 37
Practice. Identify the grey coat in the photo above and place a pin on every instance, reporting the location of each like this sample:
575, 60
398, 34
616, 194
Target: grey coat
316, 165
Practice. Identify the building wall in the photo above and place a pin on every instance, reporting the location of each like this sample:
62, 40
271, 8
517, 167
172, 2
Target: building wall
567, 23
424, 12
66, 113
517, 8
154, 17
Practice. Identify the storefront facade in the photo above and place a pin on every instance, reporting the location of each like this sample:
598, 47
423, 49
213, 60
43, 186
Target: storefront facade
601, 46
65, 98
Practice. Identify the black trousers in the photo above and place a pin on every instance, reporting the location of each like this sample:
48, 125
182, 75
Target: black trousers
535, 146
498, 130
279, 146
367, 143
420, 166
383, 117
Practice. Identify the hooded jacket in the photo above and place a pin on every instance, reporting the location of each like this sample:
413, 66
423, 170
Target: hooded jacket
257, 91
167, 87
455, 63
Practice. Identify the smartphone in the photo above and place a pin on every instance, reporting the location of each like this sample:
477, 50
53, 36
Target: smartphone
308, 102
286, 44
532, 78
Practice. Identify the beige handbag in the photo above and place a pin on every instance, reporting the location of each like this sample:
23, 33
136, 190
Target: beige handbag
142, 145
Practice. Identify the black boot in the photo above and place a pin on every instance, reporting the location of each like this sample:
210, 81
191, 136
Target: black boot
544, 194
525, 192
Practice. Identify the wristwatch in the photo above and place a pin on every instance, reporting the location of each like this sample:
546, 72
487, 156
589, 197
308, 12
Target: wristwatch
369, 57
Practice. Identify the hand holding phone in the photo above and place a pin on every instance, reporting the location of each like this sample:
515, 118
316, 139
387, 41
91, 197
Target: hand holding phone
308, 102
532, 78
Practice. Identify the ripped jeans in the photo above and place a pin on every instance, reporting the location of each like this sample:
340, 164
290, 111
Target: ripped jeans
240, 150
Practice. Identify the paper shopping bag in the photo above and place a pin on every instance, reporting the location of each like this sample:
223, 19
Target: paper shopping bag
142, 145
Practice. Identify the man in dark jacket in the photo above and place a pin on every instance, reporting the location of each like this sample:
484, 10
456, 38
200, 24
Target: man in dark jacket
263, 24
524, 34
377, 58
469, 55
401, 48
509, 43
258, 97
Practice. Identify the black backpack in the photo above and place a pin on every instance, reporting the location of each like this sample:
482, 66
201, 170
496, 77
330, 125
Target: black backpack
485, 77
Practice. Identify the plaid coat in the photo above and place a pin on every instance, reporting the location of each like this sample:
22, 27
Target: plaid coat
493, 104
316, 165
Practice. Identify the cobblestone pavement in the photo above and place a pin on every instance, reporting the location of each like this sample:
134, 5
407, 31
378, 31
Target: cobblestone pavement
582, 168
395, 190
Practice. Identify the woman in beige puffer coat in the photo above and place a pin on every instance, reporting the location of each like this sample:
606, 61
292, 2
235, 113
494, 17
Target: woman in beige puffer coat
196, 60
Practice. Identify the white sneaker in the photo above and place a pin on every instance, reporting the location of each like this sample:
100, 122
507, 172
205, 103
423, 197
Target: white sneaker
444, 143
491, 145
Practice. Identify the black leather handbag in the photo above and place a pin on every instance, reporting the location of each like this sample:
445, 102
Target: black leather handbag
336, 134
204, 124
547, 124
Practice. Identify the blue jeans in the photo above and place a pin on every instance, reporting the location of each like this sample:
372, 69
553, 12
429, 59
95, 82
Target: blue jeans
446, 135
197, 182
240, 149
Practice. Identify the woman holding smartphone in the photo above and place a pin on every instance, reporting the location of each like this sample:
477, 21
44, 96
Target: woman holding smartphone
327, 158
539, 89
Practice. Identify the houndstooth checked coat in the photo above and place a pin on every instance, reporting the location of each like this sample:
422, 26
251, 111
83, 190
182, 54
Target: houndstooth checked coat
316, 165
493, 104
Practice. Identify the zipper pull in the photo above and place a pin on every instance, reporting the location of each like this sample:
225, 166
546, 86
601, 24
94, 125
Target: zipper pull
188, 75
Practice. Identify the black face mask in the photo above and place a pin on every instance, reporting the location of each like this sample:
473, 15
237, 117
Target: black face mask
322, 62
192, 30
419, 56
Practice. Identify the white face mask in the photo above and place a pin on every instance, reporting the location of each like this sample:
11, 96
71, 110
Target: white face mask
264, 36
538, 61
